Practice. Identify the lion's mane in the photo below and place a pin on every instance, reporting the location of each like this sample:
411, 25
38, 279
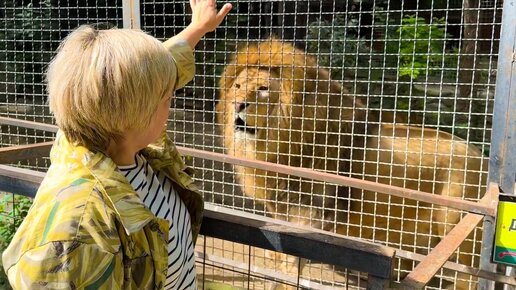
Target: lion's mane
304, 128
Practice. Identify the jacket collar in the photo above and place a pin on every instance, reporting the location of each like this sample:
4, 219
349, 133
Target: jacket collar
117, 190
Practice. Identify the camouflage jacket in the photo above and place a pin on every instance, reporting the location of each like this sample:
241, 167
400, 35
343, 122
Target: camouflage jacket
88, 228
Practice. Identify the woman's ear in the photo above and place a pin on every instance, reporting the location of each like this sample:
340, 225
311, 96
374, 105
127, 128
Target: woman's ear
162, 140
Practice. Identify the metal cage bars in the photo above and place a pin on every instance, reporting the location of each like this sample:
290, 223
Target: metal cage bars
23, 181
483, 208
502, 158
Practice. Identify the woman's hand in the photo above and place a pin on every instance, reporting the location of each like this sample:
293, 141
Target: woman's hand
205, 16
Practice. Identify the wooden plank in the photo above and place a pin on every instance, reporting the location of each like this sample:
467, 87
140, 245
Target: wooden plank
20, 181
22, 174
16, 153
457, 203
434, 261
20, 187
492, 276
270, 234
28, 124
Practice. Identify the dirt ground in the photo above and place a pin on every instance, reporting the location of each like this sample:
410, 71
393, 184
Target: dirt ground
245, 267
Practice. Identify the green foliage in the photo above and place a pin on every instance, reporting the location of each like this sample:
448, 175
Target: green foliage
28, 25
26, 32
334, 45
413, 46
419, 46
13, 209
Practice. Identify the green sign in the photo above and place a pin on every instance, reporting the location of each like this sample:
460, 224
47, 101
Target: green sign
505, 236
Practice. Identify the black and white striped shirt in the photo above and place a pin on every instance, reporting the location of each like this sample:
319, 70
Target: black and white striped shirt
158, 195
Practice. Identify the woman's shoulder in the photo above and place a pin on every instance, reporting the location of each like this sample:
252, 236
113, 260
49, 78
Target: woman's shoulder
65, 208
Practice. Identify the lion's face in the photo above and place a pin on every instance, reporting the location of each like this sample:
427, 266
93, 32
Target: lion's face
254, 95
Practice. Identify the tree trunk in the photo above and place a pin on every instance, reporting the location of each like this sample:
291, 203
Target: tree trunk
469, 47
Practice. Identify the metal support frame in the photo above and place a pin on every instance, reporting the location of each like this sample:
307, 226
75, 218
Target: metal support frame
434, 261
131, 14
502, 159
502, 163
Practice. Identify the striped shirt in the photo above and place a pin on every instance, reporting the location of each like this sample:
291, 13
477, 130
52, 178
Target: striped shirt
158, 195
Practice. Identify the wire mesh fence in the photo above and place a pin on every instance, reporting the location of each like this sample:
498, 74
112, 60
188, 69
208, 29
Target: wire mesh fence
246, 267
395, 92
31, 32
427, 64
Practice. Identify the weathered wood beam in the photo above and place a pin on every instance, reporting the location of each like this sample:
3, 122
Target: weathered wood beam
456, 203
299, 241
435, 260
16, 153
28, 124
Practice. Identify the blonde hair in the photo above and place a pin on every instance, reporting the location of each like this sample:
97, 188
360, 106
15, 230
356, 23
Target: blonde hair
103, 83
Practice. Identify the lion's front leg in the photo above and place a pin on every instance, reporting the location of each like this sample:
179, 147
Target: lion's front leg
296, 211
299, 202
283, 263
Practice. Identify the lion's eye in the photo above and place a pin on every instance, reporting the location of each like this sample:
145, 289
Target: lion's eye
263, 88
237, 86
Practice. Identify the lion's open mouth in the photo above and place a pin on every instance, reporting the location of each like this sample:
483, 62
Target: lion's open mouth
240, 125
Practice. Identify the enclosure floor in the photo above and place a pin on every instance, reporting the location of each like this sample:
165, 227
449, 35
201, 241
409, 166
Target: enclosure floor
254, 270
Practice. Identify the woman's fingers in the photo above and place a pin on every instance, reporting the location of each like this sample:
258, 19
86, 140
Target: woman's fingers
223, 12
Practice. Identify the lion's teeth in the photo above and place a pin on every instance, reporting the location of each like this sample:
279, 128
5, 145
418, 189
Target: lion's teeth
242, 116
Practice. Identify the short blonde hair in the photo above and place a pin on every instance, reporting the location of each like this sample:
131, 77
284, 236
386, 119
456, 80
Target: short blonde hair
103, 83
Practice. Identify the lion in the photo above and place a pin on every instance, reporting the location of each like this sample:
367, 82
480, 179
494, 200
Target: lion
277, 105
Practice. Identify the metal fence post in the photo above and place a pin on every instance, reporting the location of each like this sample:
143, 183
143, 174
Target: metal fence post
131, 13
502, 159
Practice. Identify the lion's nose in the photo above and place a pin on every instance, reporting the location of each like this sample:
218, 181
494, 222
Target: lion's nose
239, 107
